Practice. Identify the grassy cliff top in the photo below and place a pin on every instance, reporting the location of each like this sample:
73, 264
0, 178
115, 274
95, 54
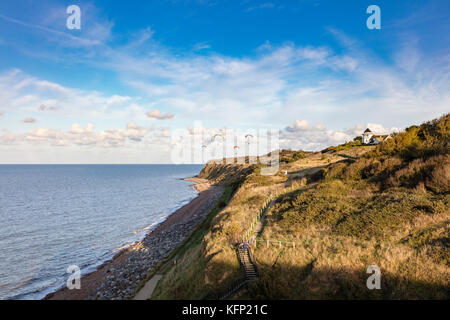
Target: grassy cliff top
338, 211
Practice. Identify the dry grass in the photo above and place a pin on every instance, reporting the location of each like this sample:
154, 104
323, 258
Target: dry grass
326, 265
386, 205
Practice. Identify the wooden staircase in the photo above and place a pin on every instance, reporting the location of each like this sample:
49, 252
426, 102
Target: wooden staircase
248, 263
250, 273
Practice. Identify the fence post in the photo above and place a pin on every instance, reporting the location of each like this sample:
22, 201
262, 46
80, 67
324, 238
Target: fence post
280, 244
267, 242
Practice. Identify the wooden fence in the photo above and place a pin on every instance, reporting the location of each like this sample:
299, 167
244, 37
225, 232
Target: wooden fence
277, 243
262, 211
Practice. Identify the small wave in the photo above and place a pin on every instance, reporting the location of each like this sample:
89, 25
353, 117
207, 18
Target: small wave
147, 228
5, 285
41, 289
122, 247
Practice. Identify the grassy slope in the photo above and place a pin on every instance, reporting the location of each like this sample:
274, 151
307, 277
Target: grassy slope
389, 207
351, 207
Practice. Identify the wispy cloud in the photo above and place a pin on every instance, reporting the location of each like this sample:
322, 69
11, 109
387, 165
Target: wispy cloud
291, 81
21, 93
201, 46
269, 87
272, 85
63, 37
266, 5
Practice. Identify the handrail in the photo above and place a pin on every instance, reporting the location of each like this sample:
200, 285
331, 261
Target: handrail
279, 242
223, 294
236, 285
252, 259
235, 289
263, 210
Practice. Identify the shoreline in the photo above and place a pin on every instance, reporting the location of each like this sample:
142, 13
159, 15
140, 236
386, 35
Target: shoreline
119, 277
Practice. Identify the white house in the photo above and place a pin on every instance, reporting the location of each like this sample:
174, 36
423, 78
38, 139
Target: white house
369, 138
366, 136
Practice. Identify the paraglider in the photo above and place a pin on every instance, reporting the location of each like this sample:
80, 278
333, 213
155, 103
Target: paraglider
219, 138
248, 138
236, 149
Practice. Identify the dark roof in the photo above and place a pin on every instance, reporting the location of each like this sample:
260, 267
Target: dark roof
367, 130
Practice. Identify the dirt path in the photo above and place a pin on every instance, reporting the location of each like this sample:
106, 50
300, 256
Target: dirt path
147, 291
259, 227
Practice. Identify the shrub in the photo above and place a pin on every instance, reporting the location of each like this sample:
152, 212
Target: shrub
426, 140
439, 178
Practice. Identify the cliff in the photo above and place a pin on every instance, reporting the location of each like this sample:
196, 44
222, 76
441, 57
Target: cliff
334, 214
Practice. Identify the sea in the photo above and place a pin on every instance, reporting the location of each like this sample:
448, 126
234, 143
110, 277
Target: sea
53, 217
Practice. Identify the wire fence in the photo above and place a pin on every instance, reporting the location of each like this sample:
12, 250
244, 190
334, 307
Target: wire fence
239, 283
277, 243
263, 210
257, 219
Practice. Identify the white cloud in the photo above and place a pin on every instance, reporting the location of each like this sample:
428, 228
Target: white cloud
302, 135
280, 83
21, 93
134, 132
156, 114
77, 129
79, 136
9, 139
201, 46
29, 120
303, 125
267, 88
44, 107
271, 86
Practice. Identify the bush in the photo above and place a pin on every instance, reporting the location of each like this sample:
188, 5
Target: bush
439, 178
426, 140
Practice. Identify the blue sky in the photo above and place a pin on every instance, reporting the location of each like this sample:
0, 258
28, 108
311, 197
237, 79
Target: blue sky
114, 91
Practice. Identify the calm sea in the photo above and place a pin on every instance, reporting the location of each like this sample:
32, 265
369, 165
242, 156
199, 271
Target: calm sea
55, 216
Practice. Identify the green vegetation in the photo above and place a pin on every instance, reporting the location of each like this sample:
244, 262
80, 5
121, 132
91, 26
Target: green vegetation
386, 205
288, 156
357, 142
195, 239
389, 207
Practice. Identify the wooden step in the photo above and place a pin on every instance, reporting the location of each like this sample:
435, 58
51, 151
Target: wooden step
249, 268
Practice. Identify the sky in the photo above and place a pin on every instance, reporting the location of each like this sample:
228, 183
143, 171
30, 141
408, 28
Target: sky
116, 90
